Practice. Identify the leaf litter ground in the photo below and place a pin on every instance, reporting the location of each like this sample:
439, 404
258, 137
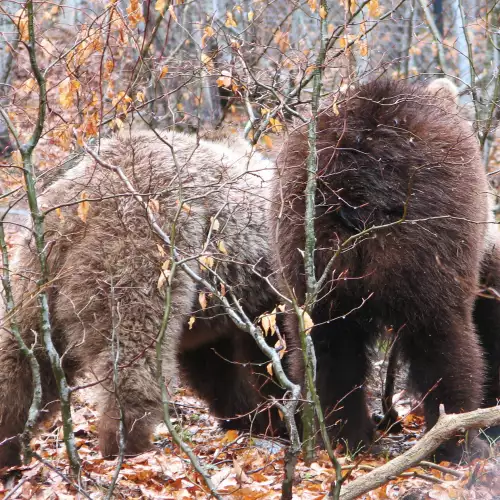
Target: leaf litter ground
241, 466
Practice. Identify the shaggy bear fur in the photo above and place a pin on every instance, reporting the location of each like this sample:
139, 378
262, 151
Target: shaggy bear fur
392, 150
103, 286
486, 320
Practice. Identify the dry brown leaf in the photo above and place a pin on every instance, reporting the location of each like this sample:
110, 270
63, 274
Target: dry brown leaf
222, 247
267, 141
163, 71
230, 22
160, 6
83, 207
206, 261
161, 251
215, 223
164, 274
172, 12
59, 213
241, 477
308, 322
154, 205
230, 436
202, 299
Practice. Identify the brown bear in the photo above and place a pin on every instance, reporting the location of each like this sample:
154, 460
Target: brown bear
486, 308
399, 161
106, 297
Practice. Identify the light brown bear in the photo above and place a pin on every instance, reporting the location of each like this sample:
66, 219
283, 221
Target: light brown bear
106, 305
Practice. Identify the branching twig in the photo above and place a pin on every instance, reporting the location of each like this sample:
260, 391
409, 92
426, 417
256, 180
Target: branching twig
435, 33
26, 151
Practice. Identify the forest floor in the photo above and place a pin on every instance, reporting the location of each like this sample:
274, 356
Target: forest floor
241, 466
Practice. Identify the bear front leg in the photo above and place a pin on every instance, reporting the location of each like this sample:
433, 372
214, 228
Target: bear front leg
129, 391
126, 365
134, 401
230, 376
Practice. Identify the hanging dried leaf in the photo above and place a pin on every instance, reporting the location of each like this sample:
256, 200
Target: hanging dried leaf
67, 92
208, 32
17, 158
363, 49
164, 274
160, 6
59, 214
221, 247
161, 251
308, 322
267, 141
264, 321
83, 207
163, 71
282, 40
268, 322
206, 261
230, 22
154, 205
269, 369
276, 125
202, 299
215, 223
28, 85
172, 13
191, 321
134, 13
207, 61
335, 107
21, 20
225, 79
280, 347
374, 8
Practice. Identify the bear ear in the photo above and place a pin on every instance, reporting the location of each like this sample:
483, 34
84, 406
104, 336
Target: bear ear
444, 88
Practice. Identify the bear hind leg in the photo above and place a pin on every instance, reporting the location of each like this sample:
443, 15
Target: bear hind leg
342, 369
16, 397
446, 367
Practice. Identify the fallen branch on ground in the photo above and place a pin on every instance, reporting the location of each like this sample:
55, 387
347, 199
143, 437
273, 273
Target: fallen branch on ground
446, 427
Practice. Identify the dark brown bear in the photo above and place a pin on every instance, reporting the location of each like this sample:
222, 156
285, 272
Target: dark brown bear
106, 299
392, 151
